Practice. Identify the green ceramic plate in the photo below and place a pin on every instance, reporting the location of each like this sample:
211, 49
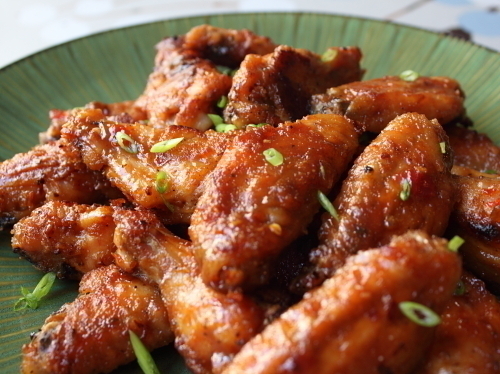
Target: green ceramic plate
114, 65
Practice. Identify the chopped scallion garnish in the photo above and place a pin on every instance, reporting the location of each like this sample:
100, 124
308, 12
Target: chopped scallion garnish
222, 102
126, 142
460, 289
32, 299
442, 145
258, 125
144, 358
165, 145
216, 119
273, 156
455, 243
162, 182
327, 205
409, 75
224, 70
420, 314
405, 190
224, 127
491, 171
329, 55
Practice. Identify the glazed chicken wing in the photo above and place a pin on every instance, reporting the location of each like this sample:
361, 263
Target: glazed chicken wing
66, 238
468, 338
134, 169
91, 334
376, 102
352, 324
401, 181
251, 209
277, 87
49, 172
209, 327
186, 82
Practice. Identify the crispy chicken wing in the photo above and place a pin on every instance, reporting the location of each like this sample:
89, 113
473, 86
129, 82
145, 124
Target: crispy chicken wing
209, 327
48, 172
90, 335
135, 171
468, 339
277, 87
66, 238
251, 209
376, 102
351, 324
186, 83
473, 150
401, 181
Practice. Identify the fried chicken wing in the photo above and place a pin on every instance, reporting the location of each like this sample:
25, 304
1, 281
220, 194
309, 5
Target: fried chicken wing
186, 83
251, 209
48, 172
376, 102
209, 327
401, 181
277, 87
135, 171
91, 334
468, 338
66, 238
473, 150
352, 324
476, 218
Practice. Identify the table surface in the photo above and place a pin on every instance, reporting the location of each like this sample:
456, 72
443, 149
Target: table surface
28, 26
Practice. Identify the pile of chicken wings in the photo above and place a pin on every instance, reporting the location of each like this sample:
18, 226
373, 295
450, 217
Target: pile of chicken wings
267, 210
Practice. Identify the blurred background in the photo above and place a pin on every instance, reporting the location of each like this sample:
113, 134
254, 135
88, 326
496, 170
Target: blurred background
28, 26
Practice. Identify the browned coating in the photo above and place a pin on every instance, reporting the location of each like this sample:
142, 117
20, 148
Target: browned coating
250, 209
135, 174
376, 102
468, 339
66, 238
370, 207
90, 335
277, 87
50, 172
352, 324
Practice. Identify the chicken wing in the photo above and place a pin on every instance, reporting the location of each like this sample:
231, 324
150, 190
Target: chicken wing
186, 83
251, 209
468, 338
66, 238
91, 334
351, 324
135, 170
277, 87
376, 102
401, 181
49, 172
209, 327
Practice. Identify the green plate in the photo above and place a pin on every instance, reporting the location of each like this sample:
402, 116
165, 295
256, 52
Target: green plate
114, 66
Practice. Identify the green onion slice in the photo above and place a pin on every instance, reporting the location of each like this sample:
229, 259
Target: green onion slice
224, 127
455, 243
224, 70
491, 171
329, 55
162, 182
273, 156
420, 314
32, 299
409, 75
460, 289
222, 102
216, 119
442, 145
405, 190
126, 142
325, 203
258, 125
165, 145
144, 358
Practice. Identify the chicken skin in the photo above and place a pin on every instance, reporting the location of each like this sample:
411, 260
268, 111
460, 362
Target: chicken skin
277, 87
186, 83
209, 327
352, 324
91, 334
376, 102
468, 338
135, 170
66, 238
251, 209
400, 182
50, 172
